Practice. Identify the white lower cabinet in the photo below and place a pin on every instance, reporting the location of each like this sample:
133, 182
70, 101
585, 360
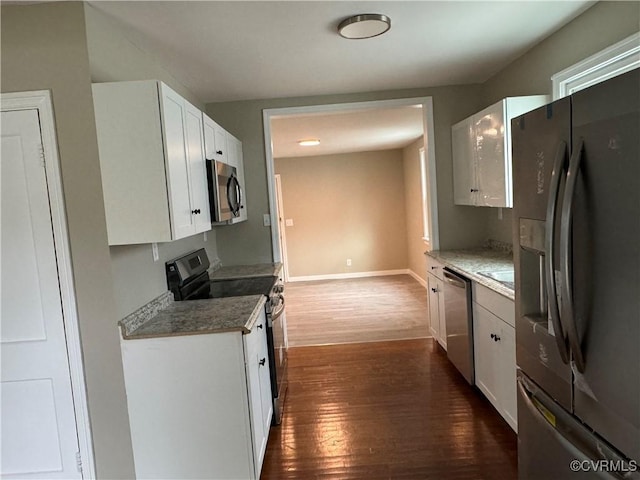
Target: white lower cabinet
199, 405
437, 322
495, 351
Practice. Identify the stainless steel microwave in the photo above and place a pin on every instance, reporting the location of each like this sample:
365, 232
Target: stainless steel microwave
225, 194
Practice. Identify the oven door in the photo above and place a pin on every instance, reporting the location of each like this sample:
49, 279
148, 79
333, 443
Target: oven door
277, 340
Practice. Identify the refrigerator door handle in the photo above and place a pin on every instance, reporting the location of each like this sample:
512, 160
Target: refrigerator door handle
566, 254
557, 175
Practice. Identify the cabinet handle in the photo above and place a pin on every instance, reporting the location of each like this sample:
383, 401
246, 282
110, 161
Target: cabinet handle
474, 190
434, 268
260, 326
434, 290
218, 152
262, 362
495, 337
196, 211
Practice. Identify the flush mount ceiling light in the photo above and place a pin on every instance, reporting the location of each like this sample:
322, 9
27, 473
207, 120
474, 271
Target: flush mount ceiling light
366, 25
310, 142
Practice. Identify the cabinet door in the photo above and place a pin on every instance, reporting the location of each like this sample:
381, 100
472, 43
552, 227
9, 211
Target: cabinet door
441, 316
234, 146
491, 156
485, 352
464, 172
221, 152
259, 386
507, 374
266, 396
177, 166
209, 128
434, 316
197, 170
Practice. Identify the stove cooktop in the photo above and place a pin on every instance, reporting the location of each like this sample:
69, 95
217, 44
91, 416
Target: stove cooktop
239, 287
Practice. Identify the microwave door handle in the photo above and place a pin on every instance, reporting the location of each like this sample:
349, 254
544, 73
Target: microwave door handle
566, 254
238, 194
557, 175
236, 188
230, 199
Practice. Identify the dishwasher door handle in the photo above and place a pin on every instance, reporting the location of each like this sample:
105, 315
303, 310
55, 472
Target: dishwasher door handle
453, 280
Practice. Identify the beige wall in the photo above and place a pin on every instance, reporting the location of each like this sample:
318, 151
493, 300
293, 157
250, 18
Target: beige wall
602, 25
44, 48
251, 241
344, 206
113, 57
413, 208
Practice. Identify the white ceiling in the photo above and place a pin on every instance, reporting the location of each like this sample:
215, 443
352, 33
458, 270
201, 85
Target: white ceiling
239, 50
242, 50
347, 131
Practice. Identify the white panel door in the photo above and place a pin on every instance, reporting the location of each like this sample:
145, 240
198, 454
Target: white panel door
39, 432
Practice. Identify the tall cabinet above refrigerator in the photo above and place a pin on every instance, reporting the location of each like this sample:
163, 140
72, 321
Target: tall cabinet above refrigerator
576, 169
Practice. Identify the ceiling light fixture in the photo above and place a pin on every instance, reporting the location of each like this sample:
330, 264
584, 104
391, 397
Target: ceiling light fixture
366, 25
311, 142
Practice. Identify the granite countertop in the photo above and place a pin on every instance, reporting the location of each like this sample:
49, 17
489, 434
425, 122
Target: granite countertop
470, 262
162, 317
215, 315
247, 271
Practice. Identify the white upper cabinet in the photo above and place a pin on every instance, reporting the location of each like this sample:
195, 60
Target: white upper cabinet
151, 148
221, 146
481, 147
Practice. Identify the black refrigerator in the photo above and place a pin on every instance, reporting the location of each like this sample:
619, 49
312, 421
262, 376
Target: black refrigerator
576, 234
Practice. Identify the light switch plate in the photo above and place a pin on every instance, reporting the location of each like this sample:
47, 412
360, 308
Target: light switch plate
154, 249
266, 220
289, 222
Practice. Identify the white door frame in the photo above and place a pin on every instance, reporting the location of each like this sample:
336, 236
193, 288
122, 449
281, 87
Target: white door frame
41, 101
429, 145
281, 225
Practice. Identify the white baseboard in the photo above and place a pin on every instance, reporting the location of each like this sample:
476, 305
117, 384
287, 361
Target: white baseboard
341, 276
420, 280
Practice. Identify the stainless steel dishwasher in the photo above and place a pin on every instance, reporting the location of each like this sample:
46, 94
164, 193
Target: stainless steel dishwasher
459, 321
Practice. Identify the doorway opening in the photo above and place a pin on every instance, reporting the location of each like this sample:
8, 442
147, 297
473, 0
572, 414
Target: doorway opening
346, 128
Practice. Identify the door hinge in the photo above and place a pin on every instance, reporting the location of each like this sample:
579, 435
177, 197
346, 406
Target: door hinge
41, 153
79, 462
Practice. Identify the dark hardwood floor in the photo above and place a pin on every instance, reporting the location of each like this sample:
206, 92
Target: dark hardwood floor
387, 410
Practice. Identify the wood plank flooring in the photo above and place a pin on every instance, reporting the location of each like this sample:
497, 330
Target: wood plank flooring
356, 310
389, 410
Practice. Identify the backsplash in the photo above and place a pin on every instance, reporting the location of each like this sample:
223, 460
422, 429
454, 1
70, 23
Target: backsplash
497, 245
146, 312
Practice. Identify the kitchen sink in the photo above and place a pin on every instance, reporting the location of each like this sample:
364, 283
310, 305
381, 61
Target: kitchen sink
503, 276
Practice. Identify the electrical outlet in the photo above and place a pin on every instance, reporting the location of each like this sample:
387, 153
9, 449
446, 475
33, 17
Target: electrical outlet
348, 262
205, 236
266, 220
288, 222
154, 249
